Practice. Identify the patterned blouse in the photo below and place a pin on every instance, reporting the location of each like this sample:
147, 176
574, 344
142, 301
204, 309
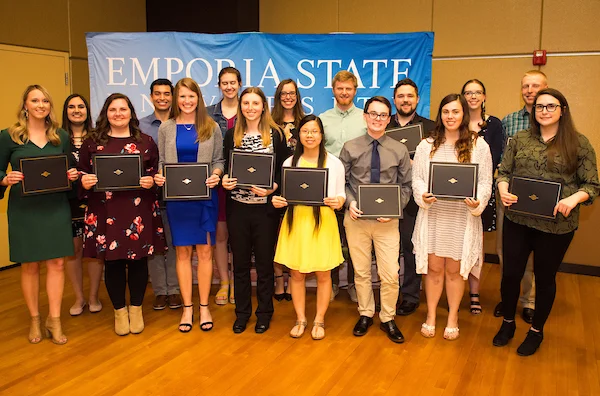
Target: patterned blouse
526, 155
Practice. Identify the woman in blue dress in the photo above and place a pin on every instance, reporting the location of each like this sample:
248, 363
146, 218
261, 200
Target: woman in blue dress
190, 135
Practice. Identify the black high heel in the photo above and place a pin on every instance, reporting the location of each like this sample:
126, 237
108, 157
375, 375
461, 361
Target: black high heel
205, 323
281, 296
187, 327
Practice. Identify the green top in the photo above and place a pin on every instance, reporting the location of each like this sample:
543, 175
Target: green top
341, 126
526, 155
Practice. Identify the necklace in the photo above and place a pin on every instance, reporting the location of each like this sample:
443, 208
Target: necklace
188, 128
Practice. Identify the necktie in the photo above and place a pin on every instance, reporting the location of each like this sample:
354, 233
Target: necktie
375, 163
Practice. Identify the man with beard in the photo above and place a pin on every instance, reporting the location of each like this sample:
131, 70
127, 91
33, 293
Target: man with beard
342, 123
406, 99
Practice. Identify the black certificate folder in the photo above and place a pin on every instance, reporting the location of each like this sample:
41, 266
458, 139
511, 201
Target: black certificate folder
537, 197
43, 175
186, 182
453, 180
252, 169
305, 186
117, 171
409, 135
380, 200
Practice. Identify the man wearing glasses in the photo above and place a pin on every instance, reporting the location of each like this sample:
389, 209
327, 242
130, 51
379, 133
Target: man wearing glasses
406, 99
342, 123
375, 158
532, 82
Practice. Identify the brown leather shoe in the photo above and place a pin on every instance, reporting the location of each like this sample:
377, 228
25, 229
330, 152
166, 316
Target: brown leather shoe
174, 301
160, 303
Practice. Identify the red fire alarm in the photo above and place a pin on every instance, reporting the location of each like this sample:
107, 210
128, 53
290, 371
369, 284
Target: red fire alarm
539, 57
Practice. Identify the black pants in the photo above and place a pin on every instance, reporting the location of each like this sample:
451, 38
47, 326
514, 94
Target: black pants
252, 227
518, 242
118, 273
411, 286
335, 273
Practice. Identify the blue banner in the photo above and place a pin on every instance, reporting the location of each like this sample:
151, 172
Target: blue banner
129, 62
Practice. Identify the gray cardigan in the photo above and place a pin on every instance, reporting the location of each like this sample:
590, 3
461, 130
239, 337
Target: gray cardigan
209, 151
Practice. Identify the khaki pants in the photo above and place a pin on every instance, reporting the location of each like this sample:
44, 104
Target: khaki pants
361, 234
527, 297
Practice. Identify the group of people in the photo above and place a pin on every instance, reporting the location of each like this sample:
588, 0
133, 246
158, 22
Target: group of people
134, 234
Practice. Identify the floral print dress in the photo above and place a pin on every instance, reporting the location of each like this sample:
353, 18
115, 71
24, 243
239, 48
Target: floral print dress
122, 224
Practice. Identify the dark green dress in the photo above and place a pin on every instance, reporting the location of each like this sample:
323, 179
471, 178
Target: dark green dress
39, 226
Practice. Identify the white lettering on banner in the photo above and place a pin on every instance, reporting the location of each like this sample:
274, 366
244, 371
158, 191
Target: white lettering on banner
146, 99
397, 73
270, 67
170, 71
329, 63
305, 73
221, 65
248, 79
352, 68
213, 100
209, 71
307, 103
135, 65
112, 71
375, 63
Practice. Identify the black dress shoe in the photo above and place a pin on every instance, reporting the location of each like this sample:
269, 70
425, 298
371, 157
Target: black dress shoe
363, 324
239, 326
505, 334
406, 308
531, 344
392, 331
261, 327
499, 310
528, 315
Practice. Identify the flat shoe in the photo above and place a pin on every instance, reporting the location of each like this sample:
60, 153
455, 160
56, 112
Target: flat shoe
299, 323
95, 308
77, 310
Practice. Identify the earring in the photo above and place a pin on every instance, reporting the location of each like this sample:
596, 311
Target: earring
26, 114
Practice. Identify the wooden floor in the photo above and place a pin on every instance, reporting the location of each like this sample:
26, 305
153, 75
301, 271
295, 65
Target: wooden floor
162, 361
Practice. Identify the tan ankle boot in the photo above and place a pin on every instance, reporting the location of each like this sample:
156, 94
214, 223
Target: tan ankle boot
136, 319
121, 321
54, 331
35, 331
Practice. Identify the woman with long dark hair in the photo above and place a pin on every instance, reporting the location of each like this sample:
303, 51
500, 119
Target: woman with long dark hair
190, 135
490, 128
251, 219
77, 121
225, 114
287, 113
39, 226
551, 150
309, 237
448, 235
124, 227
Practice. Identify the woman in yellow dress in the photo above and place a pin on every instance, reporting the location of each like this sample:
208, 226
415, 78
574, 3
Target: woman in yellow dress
309, 240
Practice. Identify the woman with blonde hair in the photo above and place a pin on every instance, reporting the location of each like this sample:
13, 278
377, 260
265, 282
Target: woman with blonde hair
39, 226
190, 135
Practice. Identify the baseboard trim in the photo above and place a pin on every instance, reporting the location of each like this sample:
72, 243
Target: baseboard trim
10, 266
568, 268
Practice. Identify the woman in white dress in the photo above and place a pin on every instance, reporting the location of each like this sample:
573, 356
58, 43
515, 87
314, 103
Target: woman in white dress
448, 233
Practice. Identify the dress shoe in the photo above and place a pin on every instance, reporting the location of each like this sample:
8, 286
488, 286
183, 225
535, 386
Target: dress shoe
499, 310
392, 331
362, 326
406, 308
261, 327
528, 315
531, 344
239, 326
174, 301
506, 332
160, 303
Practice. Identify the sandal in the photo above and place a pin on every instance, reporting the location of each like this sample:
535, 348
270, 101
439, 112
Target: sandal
299, 323
187, 327
475, 304
202, 324
316, 326
451, 333
427, 331
222, 293
35, 331
231, 293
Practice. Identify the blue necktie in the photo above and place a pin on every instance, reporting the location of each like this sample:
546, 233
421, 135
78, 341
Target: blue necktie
375, 163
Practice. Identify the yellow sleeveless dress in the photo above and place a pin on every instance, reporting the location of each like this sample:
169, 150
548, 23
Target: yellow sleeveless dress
305, 249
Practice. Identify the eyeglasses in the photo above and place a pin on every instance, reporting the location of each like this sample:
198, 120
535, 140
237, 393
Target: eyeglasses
382, 116
550, 107
313, 132
288, 94
472, 93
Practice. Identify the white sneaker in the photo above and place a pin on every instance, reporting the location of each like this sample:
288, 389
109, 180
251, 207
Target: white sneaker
352, 293
335, 290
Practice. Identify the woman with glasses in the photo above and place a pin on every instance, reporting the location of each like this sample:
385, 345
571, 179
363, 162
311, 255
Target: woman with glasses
309, 238
251, 219
225, 114
448, 235
490, 128
287, 113
552, 150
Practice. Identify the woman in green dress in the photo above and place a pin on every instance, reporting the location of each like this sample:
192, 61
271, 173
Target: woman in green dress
39, 226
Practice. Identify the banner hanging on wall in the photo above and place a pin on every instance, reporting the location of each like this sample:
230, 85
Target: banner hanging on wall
129, 62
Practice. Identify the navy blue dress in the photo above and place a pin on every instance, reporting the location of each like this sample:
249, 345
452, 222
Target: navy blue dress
191, 220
